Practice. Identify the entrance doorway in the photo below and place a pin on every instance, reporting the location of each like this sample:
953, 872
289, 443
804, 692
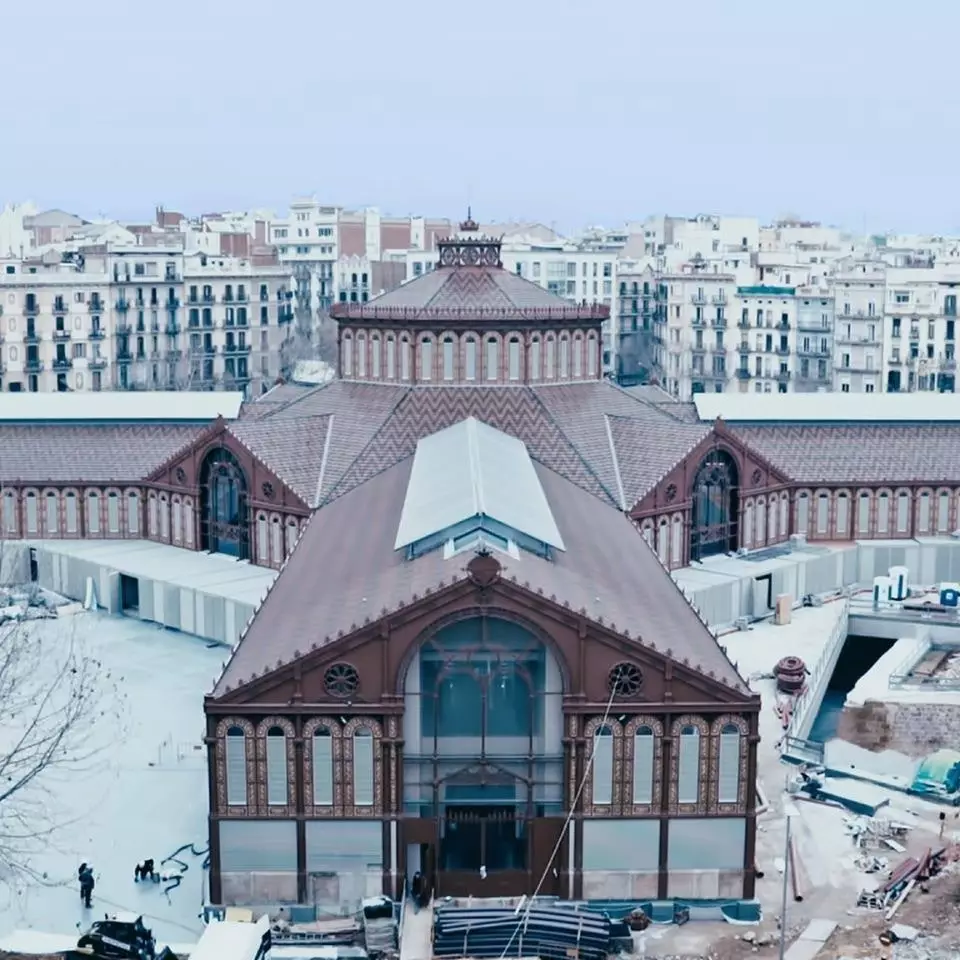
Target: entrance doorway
483, 838
129, 594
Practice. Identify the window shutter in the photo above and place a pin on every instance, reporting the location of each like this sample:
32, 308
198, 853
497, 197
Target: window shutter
363, 768
322, 768
643, 766
688, 775
236, 751
603, 767
728, 763
276, 768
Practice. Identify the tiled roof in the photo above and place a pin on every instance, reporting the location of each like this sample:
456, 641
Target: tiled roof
93, 453
459, 292
607, 569
514, 410
869, 454
292, 447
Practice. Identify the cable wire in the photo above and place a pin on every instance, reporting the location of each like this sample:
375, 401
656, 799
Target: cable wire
566, 825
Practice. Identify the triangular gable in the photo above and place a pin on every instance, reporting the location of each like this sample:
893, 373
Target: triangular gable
182, 470
675, 489
401, 629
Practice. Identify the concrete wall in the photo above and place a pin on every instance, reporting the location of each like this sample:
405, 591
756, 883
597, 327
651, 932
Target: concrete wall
14, 562
201, 614
915, 729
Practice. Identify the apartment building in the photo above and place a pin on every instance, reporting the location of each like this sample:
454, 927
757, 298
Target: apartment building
134, 317
920, 327
767, 361
860, 288
815, 338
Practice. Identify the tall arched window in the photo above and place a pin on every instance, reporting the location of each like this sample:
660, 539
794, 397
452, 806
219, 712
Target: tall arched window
346, 357
535, 358
276, 767
728, 765
322, 767
688, 768
363, 767
391, 358
448, 346
375, 357
603, 766
236, 750
643, 765
223, 505
714, 524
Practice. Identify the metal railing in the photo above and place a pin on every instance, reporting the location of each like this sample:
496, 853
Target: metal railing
904, 675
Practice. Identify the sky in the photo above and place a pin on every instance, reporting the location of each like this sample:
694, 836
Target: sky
569, 113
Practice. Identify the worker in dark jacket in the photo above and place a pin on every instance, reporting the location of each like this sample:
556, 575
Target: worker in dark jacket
85, 876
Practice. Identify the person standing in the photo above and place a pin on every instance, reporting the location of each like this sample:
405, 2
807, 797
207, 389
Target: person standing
85, 876
416, 886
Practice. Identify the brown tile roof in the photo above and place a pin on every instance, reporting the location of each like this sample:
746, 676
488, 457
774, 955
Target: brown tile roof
514, 410
293, 448
863, 453
460, 293
93, 453
607, 569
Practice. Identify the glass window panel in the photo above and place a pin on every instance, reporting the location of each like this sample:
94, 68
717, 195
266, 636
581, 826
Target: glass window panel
603, 766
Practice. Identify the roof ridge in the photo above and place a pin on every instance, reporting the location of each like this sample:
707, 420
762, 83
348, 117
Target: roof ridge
576, 450
407, 391
616, 462
657, 408
292, 403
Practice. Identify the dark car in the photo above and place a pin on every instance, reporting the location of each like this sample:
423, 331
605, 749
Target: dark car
121, 937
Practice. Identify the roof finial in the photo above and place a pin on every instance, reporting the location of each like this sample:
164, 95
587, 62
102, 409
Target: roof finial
469, 225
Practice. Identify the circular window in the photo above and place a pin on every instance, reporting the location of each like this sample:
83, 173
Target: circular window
341, 680
625, 680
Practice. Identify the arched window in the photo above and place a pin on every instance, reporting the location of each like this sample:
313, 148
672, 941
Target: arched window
361, 355
426, 359
223, 505
177, 520
784, 514
470, 359
748, 525
688, 767
236, 752
10, 520
774, 514
823, 512
943, 511
133, 514
535, 358
113, 513
363, 767
714, 522
404, 358
603, 766
551, 359
375, 357
513, 360
263, 539
803, 513
643, 765
863, 514
292, 534
52, 512
346, 359
923, 512
448, 346
70, 509
663, 541
322, 767
728, 765
32, 513
761, 515
93, 512
883, 512
843, 514
591, 356
276, 767
903, 512
564, 358
391, 358
493, 359
578, 358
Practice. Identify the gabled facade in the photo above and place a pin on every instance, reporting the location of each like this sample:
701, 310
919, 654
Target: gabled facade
454, 734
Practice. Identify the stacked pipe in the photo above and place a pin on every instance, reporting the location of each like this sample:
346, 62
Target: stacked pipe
549, 933
790, 674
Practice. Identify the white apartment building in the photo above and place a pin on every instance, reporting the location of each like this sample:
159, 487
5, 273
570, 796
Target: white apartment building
134, 317
920, 328
767, 352
859, 288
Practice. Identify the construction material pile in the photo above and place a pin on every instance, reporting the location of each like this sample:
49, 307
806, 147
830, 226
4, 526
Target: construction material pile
909, 873
551, 933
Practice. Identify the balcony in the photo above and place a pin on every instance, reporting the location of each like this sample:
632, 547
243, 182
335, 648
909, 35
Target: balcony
174, 355
783, 375
812, 352
743, 324
61, 336
172, 328
698, 322
948, 363
59, 308
719, 323
236, 349
33, 365
123, 329
744, 349
285, 315
62, 363
783, 325
699, 299
31, 309
783, 351
124, 355
241, 297
96, 306
97, 334
208, 298
895, 362
97, 363
172, 303
227, 298
123, 304
743, 374
31, 336
811, 326
718, 299
915, 334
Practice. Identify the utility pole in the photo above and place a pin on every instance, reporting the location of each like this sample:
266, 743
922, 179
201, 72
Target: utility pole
786, 875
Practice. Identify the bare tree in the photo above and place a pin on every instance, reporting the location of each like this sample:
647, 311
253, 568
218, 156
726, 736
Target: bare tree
60, 707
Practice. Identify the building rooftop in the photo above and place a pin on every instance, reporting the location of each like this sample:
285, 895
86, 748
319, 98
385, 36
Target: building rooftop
119, 407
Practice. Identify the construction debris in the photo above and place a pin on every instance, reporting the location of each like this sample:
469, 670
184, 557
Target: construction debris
892, 893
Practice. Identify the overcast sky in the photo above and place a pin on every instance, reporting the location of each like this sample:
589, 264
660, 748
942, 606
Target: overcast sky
553, 110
